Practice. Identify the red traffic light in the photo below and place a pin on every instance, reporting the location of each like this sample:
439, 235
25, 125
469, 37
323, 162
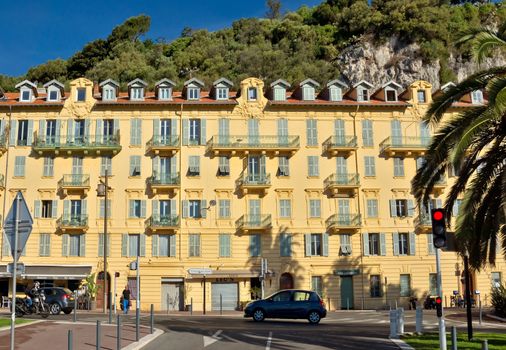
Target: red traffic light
439, 300
437, 215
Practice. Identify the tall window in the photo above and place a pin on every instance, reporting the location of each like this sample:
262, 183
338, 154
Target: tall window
312, 166
496, 279
193, 165
403, 241
311, 132
224, 166
374, 244
317, 285
137, 208
47, 209
375, 286
23, 132
135, 131
135, 166
73, 245
194, 129
48, 169
106, 163
398, 166
224, 208
421, 96
283, 167
194, 244
405, 284
166, 245
194, 207
433, 283
285, 208
255, 245
401, 208
134, 244
314, 208
285, 244
51, 128
316, 244
372, 208
81, 94
224, 243
252, 94
370, 167
367, 133
19, 166
45, 244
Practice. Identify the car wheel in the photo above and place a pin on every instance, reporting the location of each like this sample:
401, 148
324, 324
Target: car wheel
55, 309
258, 315
314, 317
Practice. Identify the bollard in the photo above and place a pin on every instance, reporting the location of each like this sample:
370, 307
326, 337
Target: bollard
395, 304
454, 338
151, 319
393, 324
328, 303
137, 325
118, 332
400, 321
99, 336
110, 316
484, 344
419, 320
191, 306
481, 313
75, 306
70, 341
221, 304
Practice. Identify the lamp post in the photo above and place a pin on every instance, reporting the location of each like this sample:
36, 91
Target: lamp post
102, 190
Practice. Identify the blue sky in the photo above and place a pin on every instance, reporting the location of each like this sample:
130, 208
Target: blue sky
34, 31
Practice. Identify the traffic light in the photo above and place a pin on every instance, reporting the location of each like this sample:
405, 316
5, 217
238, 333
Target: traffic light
438, 228
439, 307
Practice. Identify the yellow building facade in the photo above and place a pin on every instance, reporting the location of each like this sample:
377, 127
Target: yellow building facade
315, 181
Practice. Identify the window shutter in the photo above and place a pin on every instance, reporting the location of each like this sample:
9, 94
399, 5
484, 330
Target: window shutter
173, 127
412, 243
155, 208
84, 209
396, 132
66, 207
100, 244
101, 210
54, 208
142, 248
339, 130
395, 237
307, 241
383, 246
154, 242
439, 203
143, 208
156, 128
203, 210
173, 165
13, 132
124, 244
202, 131
173, 208
186, 131
393, 208
65, 245
185, 208
42, 129
156, 167
29, 138
87, 129
365, 243
411, 207
36, 213
58, 131
99, 130
172, 244
325, 239
262, 165
430, 244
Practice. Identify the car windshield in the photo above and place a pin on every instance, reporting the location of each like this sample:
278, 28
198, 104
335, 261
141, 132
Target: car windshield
281, 296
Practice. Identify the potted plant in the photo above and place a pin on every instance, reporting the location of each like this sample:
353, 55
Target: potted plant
91, 287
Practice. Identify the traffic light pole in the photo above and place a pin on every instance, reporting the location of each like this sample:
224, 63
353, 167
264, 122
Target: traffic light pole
441, 320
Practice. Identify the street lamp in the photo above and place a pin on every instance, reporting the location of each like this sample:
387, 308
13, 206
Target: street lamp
102, 190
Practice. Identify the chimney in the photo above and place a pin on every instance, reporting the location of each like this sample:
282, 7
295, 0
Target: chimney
96, 87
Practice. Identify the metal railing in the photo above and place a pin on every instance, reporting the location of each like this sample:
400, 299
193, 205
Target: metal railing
254, 221
340, 141
254, 180
342, 179
164, 179
423, 220
75, 180
407, 142
163, 141
253, 142
344, 220
163, 221
76, 142
73, 220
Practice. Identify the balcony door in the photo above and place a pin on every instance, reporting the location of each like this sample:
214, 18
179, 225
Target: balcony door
256, 168
108, 130
341, 170
396, 133
253, 132
283, 131
165, 131
51, 131
254, 211
339, 131
79, 131
77, 165
343, 207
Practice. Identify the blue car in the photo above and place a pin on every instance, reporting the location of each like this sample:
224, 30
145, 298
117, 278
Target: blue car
288, 303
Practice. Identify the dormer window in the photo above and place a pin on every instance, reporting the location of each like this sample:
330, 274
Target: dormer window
109, 94
363, 94
53, 95
390, 95
193, 93
279, 93
81, 94
137, 93
477, 97
420, 94
26, 95
252, 94
308, 93
164, 93
335, 93
222, 93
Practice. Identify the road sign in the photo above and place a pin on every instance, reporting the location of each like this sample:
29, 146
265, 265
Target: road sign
25, 223
200, 271
20, 268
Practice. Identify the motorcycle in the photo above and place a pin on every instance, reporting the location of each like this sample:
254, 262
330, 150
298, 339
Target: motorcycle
38, 305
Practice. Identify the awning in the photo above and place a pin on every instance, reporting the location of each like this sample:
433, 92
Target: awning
239, 273
51, 272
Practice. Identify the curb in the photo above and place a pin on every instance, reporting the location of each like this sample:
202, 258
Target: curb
21, 325
144, 340
496, 317
401, 344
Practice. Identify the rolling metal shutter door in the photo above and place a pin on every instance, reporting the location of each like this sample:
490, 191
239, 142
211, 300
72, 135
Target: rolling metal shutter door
229, 293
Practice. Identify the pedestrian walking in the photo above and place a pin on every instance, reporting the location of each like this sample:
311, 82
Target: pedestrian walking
126, 299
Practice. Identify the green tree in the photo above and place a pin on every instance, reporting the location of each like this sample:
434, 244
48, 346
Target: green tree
55, 69
273, 9
473, 141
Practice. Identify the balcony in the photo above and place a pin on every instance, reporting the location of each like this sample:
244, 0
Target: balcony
164, 182
342, 184
439, 186
404, 146
165, 223
248, 223
340, 145
71, 222
423, 223
164, 145
343, 222
3, 143
94, 145
254, 182
74, 183
244, 145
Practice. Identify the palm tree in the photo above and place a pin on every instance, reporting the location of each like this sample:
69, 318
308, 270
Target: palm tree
473, 141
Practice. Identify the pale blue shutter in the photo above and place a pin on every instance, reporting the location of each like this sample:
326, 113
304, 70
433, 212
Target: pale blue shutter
202, 131
124, 244
430, 244
411, 207
203, 210
54, 208
185, 209
307, 243
173, 127
131, 209
173, 208
383, 245
13, 132
393, 208
412, 243
173, 165
70, 130
155, 208
36, 213
100, 244
156, 128
262, 165
99, 130
283, 131
42, 130
101, 210
65, 244
115, 126
84, 210
154, 244
341, 166
439, 203
396, 132
419, 162
424, 132
339, 131
186, 127
395, 238
29, 139
82, 245
365, 243
87, 129
66, 207
172, 245
58, 132
223, 130
156, 167
325, 239
143, 208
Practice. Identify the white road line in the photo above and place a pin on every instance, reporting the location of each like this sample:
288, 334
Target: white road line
269, 341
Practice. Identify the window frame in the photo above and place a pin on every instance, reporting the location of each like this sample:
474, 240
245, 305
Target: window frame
80, 94
252, 93
316, 244
375, 286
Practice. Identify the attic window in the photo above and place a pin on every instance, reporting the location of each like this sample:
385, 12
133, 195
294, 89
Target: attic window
252, 94
308, 93
109, 94
421, 96
26, 95
222, 93
335, 94
477, 97
53, 95
164, 93
193, 93
391, 95
137, 93
363, 94
81, 94
279, 93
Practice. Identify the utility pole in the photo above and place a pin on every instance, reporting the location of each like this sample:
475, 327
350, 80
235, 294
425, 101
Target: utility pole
440, 319
14, 273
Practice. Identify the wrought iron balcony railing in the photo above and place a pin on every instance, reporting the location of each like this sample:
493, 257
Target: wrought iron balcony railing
344, 220
342, 180
45, 143
75, 180
164, 179
254, 221
163, 141
254, 180
340, 142
406, 143
167, 221
253, 142
73, 220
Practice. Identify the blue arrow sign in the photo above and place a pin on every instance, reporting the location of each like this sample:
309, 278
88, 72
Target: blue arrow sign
25, 223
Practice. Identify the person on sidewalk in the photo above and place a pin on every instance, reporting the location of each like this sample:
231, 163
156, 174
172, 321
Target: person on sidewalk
126, 299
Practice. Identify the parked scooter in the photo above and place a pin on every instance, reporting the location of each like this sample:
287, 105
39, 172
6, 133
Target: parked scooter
36, 305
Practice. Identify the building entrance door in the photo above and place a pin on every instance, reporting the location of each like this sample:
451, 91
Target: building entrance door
346, 292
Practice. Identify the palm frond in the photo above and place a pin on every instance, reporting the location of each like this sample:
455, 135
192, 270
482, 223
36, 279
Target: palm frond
484, 43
